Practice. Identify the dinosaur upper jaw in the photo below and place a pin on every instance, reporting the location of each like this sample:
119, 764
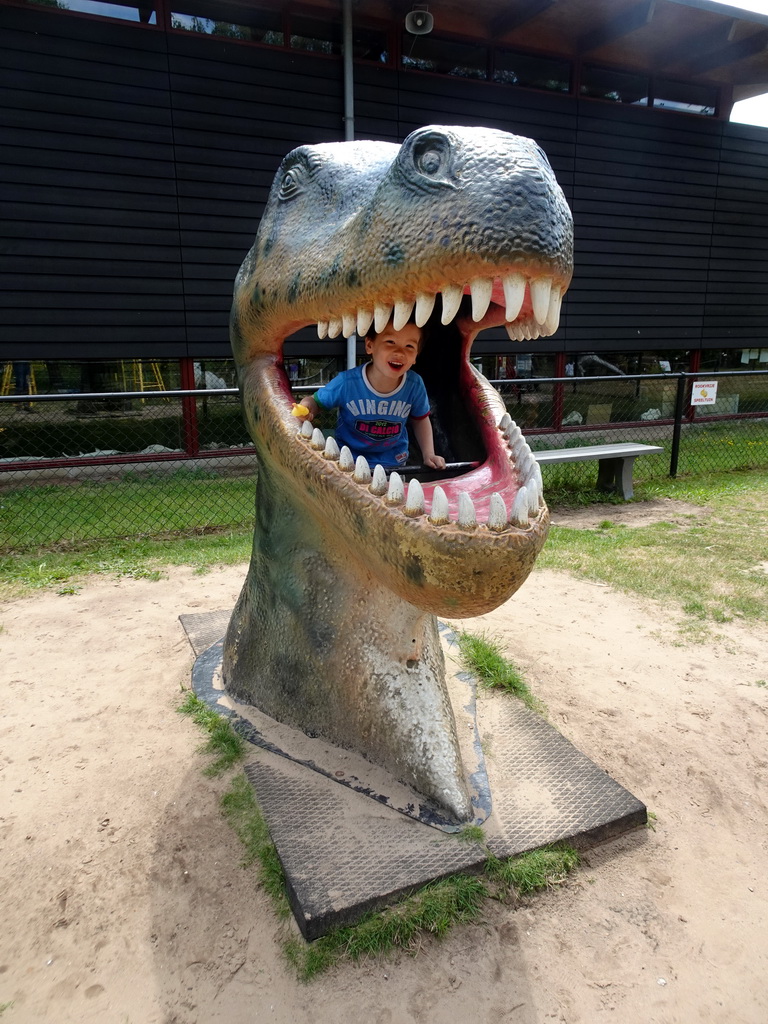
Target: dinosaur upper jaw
525, 300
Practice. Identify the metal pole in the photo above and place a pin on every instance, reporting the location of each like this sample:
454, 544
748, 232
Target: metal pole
682, 383
349, 81
349, 125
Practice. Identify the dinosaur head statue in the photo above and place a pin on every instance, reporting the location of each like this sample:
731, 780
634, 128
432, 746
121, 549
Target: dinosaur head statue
463, 229
335, 631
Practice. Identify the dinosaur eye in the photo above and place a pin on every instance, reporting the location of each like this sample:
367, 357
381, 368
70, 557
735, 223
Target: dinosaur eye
291, 185
431, 155
429, 162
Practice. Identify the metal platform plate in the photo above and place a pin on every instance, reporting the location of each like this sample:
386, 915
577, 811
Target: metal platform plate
347, 849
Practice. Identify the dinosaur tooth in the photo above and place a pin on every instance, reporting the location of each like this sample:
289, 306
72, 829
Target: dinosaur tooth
439, 514
553, 314
396, 491
519, 515
378, 484
541, 289
452, 294
382, 311
424, 306
322, 328
306, 429
364, 321
362, 474
318, 439
505, 422
403, 310
497, 513
346, 460
334, 327
534, 479
515, 333
514, 293
414, 502
512, 432
466, 519
348, 324
331, 448
481, 289
533, 500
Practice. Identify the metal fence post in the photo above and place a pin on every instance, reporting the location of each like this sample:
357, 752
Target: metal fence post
189, 408
682, 381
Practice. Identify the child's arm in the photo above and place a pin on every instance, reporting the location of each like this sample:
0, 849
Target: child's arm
422, 428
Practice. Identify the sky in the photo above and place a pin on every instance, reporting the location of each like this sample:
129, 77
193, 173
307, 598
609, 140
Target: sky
754, 111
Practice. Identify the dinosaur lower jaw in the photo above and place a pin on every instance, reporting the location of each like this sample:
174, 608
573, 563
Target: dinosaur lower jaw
502, 493
528, 306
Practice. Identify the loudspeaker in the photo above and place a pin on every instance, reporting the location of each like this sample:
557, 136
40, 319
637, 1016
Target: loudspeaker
419, 23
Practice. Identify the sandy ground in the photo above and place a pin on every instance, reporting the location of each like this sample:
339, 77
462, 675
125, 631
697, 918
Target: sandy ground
124, 902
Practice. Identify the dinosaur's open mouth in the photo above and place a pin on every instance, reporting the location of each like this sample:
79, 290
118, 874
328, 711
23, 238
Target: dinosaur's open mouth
492, 481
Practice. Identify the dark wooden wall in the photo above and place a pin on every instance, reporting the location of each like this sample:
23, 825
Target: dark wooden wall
134, 165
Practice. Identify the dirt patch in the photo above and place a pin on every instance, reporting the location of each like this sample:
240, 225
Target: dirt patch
124, 898
633, 513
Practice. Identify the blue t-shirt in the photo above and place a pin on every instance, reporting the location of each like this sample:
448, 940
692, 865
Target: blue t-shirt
371, 423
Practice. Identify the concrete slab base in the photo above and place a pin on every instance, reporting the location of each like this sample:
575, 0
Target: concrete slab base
345, 839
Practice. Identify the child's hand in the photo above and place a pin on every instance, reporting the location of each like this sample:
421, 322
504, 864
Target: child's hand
306, 409
435, 462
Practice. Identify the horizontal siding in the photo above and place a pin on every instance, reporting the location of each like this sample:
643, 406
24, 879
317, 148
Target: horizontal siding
135, 166
236, 112
737, 299
89, 204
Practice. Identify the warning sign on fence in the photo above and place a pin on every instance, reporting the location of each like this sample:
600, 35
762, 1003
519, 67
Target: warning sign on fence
704, 392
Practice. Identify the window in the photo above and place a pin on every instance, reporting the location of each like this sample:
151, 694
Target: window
143, 12
617, 86
531, 72
444, 56
686, 97
317, 35
250, 24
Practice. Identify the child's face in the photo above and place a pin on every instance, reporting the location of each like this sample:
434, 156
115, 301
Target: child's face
394, 352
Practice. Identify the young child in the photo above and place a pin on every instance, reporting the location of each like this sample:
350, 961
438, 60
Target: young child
377, 400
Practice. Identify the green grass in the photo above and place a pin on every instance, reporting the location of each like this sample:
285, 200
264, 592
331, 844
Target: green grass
536, 870
708, 565
433, 910
128, 558
223, 742
471, 834
242, 812
483, 657
66, 515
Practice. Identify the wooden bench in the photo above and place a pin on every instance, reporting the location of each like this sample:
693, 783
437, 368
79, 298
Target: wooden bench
616, 461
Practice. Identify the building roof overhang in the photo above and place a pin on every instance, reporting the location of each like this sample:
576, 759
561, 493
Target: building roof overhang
691, 40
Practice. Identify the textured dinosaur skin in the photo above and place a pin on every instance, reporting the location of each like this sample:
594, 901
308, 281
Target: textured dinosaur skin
334, 631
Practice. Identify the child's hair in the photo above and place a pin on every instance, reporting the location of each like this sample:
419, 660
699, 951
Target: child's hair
373, 333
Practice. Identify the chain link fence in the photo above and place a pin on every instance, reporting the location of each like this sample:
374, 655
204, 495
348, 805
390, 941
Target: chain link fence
75, 467
729, 432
